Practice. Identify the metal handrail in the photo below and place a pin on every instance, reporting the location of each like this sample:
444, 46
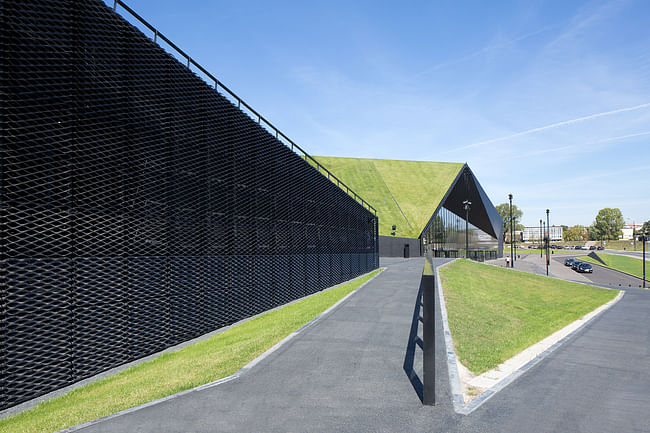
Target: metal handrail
240, 102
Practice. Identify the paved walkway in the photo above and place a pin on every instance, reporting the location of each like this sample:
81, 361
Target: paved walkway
346, 374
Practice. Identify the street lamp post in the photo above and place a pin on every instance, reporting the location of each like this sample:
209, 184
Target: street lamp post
540, 238
512, 254
644, 239
466, 205
514, 237
548, 240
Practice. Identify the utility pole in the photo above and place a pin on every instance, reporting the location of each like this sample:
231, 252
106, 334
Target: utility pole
644, 239
540, 238
548, 242
466, 205
512, 254
514, 237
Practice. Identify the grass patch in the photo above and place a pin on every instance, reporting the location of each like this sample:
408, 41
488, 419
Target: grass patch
495, 313
418, 187
627, 264
214, 358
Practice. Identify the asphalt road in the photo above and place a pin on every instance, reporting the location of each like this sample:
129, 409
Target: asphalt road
604, 276
638, 254
346, 373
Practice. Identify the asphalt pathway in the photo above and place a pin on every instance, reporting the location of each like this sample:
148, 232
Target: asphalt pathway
346, 373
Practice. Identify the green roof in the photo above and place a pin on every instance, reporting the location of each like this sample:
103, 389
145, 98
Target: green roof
405, 193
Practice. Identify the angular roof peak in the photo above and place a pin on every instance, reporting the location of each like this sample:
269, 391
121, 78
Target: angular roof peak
405, 193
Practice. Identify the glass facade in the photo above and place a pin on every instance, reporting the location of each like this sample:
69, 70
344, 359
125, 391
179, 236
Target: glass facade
445, 237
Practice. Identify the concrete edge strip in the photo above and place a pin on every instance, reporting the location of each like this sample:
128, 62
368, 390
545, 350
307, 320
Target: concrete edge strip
452, 366
489, 393
234, 376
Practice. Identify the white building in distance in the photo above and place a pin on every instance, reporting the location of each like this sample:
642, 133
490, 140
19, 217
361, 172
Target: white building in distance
629, 230
532, 234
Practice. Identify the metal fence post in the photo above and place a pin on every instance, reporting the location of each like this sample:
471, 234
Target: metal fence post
428, 333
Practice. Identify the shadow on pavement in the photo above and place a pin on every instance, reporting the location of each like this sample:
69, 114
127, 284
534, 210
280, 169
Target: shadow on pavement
413, 341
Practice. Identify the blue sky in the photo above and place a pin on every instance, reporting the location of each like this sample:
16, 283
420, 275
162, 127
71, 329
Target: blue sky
549, 101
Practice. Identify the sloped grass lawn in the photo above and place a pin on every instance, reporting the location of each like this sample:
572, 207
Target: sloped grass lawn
418, 187
495, 313
214, 358
362, 176
627, 264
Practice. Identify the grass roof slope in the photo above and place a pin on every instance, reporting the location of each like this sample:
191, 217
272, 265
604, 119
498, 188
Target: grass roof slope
416, 186
364, 179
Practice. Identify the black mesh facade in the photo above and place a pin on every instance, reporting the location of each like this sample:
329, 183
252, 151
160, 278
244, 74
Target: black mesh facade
139, 207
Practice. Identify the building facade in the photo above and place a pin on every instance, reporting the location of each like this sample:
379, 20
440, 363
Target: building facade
140, 207
536, 234
465, 224
630, 230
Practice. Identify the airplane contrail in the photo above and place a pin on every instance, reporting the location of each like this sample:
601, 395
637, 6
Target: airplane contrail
555, 125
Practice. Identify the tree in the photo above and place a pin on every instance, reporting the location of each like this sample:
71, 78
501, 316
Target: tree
594, 235
504, 212
576, 233
646, 227
608, 224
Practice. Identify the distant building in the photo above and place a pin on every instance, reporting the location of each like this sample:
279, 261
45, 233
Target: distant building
629, 230
532, 234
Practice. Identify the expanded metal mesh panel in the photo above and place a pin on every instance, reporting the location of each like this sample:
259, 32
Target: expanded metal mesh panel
140, 208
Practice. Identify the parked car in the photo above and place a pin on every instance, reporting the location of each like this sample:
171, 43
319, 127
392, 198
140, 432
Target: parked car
569, 261
577, 247
600, 248
575, 264
585, 267
592, 247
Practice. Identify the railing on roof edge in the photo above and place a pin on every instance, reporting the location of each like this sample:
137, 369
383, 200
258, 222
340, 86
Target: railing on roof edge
240, 102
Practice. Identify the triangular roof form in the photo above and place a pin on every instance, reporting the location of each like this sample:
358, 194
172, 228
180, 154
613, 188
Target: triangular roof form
483, 214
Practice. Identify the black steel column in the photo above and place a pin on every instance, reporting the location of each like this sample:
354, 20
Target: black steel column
428, 333
548, 241
540, 238
512, 254
644, 240
514, 239
466, 204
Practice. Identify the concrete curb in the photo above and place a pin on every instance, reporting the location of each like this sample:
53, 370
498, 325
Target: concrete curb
234, 376
518, 364
452, 362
